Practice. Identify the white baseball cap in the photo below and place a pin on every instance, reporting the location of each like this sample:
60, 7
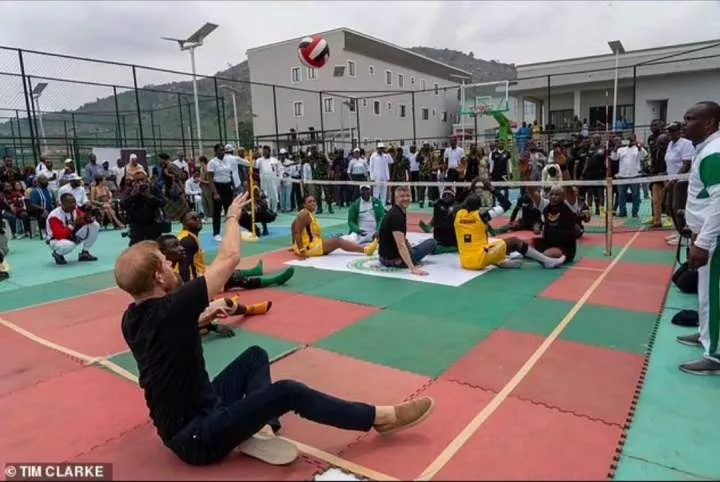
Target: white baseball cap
380, 145
229, 148
283, 151
357, 149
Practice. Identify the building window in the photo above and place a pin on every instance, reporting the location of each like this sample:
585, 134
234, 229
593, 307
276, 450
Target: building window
402, 109
388, 78
329, 105
401, 80
443, 116
311, 74
437, 90
425, 113
412, 80
351, 104
298, 109
376, 107
295, 75
434, 112
364, 102
351, 68
371, 70
422, 84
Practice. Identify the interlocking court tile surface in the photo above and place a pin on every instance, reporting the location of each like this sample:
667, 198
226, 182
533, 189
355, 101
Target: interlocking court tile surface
25, 363
406, 454
140, 455
525, 441
67, 415
300, 318
343, 377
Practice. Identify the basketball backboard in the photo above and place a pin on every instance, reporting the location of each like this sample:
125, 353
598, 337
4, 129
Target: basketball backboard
486, 98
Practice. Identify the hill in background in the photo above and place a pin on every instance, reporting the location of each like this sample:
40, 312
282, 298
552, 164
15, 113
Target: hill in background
96, 123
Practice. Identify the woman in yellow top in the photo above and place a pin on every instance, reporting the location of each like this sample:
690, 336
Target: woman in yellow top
307, 235
477, 251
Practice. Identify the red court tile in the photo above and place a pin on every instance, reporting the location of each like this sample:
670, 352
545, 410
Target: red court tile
140, 455
406, 454
576, 280
97, 337
342, 377
524, 235
587, 380
645, 240
24, 363
52, 316
68, 415
592, 239
492, 363
273, 261
523, 441
305, 319
634, 287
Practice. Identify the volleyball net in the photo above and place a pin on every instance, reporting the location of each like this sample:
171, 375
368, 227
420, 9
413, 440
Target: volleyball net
611, 206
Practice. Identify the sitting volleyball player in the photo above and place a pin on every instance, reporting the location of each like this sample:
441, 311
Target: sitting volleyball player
560, 223
442, 223
477, 252
364, 217
193, 263
307, 236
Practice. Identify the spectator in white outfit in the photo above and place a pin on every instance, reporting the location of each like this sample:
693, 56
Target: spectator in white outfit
286, 173
267, 169
629, 166
181, 163
68, 227
379, 170
193, 191
75, 187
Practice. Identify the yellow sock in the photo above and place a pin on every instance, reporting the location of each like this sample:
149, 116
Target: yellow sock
258, 308
371, 248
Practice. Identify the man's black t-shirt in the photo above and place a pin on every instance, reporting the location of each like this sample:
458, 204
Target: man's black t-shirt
395, 220
500, 159
443, 224
559, 227
163, 336
595, 167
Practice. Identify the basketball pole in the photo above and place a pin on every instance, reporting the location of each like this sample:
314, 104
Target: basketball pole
251, 185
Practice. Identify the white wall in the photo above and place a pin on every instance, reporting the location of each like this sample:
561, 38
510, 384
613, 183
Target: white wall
681, 91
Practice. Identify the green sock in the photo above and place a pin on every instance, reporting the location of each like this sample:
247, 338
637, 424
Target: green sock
256, 271
425, 227
278, 279
445, 249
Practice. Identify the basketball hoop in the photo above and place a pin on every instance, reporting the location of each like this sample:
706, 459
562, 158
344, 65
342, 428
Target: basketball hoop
480, 109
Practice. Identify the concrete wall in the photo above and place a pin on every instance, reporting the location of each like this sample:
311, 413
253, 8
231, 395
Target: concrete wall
273, 64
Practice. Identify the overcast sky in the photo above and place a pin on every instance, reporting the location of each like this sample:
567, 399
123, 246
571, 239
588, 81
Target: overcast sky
513, 31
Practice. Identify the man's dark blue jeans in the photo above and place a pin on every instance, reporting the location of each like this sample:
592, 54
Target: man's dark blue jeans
417, 253
249, 401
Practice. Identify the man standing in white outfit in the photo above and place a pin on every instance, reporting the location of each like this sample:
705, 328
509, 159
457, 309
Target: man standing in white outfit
380, 172
702, 213
267, 169
67, 228
453, 156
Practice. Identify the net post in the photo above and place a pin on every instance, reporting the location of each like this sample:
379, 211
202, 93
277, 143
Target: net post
608, 215
251, 186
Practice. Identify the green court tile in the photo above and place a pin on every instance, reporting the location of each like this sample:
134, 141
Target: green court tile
414, 343
219, 351
94, 282
530, 280
681, 301
464, 305
368, 290
8, 285
41, 294
673, 424
630, 468
634, 255
540, 316
306, 280
611, 328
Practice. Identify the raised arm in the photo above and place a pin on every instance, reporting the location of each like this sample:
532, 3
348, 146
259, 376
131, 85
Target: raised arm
219, 272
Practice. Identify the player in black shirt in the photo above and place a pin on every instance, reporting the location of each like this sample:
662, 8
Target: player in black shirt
500, 166
595, 170
442, 223
530, 215
202, 421
560, 224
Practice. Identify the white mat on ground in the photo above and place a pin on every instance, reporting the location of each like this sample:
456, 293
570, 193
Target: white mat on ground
443, 269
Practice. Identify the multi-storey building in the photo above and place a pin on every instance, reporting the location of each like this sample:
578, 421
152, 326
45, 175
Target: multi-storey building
369, 90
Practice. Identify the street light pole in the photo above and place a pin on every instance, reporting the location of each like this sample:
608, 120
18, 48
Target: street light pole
36, 92
197, 101
237, 129
617, 48
191, 43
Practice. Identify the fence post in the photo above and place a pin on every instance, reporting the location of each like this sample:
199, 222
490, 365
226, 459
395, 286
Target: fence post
17, 116
217, 108
12, 133
224, 123
192, 140
357, 121
182, 123
67, 141
124, 131
547, 108
277, 128
634, 97
117, 118
137, 105
152, 131
414, 126
34, 118
27, 105
76, 151
322, 121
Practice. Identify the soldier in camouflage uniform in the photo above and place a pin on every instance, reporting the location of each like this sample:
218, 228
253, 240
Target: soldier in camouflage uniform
426, 174
400, 168
321, 171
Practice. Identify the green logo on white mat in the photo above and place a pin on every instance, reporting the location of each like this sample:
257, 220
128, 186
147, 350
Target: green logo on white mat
371, 264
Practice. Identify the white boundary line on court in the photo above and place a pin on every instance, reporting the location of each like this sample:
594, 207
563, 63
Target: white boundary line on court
459, 441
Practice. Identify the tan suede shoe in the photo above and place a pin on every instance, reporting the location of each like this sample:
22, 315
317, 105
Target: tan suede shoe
408, 415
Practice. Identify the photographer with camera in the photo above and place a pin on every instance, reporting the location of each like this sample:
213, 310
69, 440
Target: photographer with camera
68, 227
143, 208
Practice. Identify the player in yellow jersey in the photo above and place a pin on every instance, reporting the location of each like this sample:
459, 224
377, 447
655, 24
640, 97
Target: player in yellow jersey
307, 235
477, 251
